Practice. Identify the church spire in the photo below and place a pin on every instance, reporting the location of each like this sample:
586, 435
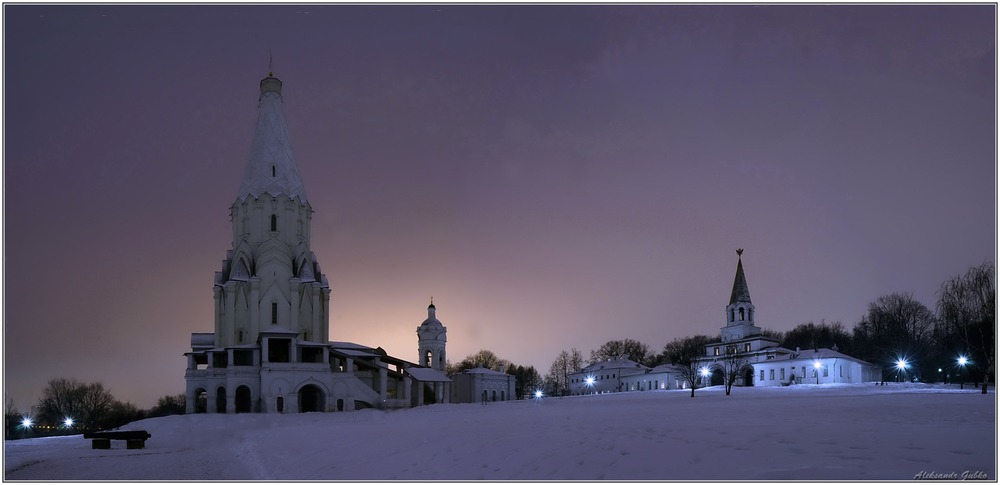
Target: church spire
271, 168
741, 292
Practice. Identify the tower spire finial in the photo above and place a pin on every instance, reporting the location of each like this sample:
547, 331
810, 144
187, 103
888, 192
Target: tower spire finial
270, 59
739, 252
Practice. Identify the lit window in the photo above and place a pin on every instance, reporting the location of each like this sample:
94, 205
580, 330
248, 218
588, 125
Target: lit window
746, 347
716, 351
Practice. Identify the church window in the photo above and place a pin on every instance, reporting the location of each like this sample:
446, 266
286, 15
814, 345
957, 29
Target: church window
782, 373
716, 351
826, 371
750, 314
732, 315
305, 335
274, 313
427, 359
273, 171
841, 371
741, 314
762, 374
746, 347
274, 222
494, 395
240, 337
772, 374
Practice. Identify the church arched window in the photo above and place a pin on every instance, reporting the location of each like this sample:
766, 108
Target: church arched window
274, 222
741, 314
732, 315
750, 314
428, 359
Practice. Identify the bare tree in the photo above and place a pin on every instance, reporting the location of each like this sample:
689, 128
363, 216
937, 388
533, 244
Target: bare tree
565, 364
484, 358
622, 349
896, 326
967, 309
85, 404
733, 363
684, 353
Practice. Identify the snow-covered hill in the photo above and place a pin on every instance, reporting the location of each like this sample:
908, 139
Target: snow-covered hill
852, 432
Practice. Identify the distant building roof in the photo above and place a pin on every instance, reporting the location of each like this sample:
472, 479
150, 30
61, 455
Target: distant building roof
426, 374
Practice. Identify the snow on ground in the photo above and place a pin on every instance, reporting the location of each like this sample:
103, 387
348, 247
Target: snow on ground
806, 432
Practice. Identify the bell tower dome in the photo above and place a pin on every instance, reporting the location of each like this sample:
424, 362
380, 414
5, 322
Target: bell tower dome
431, 340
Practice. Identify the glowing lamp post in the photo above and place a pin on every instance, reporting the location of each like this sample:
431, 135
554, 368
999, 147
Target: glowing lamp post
589, 381
816, 366
704, 374
961, 364
902, 365
68, 422
26, 423
538, 394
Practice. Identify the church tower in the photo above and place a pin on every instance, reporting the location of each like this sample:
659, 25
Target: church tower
740, 311
270, 278
431, 339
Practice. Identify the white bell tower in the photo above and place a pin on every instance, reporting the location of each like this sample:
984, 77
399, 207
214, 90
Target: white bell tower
431, 340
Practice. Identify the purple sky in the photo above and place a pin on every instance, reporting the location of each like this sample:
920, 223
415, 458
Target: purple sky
554, 176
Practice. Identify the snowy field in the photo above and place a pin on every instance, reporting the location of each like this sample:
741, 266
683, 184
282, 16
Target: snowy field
807, 432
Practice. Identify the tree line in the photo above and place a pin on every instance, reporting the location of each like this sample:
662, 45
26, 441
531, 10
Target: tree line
895, 330
68, 406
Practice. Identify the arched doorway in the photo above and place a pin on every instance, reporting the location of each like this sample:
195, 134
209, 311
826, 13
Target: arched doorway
220, 400
243, 399
748, 376
200, 401
718, 377
280, 404
310, 399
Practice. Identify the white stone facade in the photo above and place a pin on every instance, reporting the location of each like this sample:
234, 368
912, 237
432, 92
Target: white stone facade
270, 351
482, 385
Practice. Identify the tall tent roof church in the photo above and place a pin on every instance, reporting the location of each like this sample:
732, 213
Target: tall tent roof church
270, 349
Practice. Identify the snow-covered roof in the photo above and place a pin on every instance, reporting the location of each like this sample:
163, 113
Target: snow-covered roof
483, 371
278, 329
349, 345
810, 355
426, 374
354, 353
271, 168
613, 364
675, 369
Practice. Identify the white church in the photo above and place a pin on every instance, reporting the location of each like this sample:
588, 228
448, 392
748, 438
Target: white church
270, 351
762, 361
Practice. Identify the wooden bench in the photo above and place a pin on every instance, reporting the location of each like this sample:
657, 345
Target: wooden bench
101, 440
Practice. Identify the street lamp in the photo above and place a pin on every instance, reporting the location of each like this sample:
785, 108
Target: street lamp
902, 365
538, 394
589, 381
962, 361
816, 366
68, 422
26, 423
704, 375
